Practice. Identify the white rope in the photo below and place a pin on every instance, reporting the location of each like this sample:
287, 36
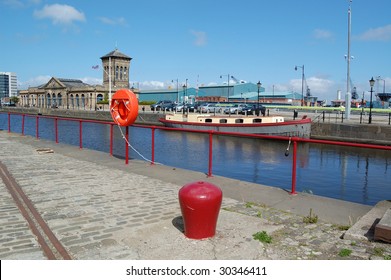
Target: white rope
127, 142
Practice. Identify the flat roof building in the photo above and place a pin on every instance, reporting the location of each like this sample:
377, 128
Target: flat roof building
8, 85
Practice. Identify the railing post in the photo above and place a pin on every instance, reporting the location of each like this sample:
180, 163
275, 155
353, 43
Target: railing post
323, 115
153, 146
294, 165
111, 139
23, 124
127, 145
37, 127
389, 118
210, 153
9, 122
56, 128
81, 134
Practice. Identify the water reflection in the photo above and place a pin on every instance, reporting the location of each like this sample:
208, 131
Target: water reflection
352, 174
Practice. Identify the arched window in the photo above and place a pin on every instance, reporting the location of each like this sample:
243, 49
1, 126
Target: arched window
83, 101
116, 72
59, 99
77, 101
48, 101
72, 100
99, 97
54, 100
125, 72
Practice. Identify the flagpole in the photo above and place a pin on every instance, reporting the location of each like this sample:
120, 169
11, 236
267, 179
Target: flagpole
109, 81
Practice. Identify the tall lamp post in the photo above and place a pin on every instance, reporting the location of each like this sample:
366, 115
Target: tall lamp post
177, 92
384, 83
259, 87
371, 83
228, 76
184, 90
302, 83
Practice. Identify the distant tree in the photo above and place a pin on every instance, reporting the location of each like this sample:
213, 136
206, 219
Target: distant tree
14, 99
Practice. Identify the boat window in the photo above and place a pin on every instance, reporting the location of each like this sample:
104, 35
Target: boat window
257, 120
223, 120
239, 121
208, 120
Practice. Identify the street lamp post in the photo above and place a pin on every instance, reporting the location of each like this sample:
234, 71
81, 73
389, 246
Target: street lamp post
184, 94
228, 76
362, 107
259, 87
302, 83
384, 84
371, 83
177, 92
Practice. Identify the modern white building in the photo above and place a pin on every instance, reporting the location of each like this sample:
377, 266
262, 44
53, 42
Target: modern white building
8, 85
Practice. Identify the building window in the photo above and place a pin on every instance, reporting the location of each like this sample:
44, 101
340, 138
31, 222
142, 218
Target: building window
99, 97
116, 73
59, 99
120, 72
77, 101
83, 101
48, 101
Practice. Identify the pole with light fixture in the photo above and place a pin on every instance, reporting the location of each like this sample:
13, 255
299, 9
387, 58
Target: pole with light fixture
259, 87
371, 83
302, 83
228, 76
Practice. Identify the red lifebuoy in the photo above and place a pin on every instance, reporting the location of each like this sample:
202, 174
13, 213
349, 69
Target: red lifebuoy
124, 107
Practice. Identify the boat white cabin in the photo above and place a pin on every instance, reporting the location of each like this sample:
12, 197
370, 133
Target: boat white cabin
212, 119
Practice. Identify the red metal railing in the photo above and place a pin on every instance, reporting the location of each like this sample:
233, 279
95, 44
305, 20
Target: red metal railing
295, 140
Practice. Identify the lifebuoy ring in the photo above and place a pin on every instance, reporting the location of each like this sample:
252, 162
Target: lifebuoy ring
124, 107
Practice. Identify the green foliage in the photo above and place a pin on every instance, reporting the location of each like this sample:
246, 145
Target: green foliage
310, 219
262, 236
343, 228
14, 99
249, 204
103, 102
345, 253
147, 102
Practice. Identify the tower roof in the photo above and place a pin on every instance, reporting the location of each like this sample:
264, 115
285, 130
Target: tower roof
116, 53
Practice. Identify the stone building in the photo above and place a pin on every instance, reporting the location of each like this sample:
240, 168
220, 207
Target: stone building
74, 93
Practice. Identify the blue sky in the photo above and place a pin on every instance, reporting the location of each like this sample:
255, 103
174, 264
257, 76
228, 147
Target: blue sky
252, 40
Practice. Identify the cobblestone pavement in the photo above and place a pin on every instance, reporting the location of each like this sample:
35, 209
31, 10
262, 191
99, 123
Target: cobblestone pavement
98, 212
298, 239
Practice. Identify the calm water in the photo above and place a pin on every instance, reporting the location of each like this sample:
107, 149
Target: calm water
351, 174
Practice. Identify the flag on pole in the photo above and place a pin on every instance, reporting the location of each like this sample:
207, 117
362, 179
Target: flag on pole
95, 67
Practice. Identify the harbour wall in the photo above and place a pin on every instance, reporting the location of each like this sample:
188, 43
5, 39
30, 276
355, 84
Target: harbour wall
348, 131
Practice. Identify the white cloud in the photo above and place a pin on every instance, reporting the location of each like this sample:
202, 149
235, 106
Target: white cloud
152, 85
34, 82
116, 21
199, 38
376, 34
322, 34
92, 81
60, 14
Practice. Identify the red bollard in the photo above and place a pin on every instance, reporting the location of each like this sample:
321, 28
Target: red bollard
200, 205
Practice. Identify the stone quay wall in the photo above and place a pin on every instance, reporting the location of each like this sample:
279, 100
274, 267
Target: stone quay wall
351, 131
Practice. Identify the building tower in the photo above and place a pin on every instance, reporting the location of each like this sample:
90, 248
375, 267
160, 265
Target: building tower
116, 70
